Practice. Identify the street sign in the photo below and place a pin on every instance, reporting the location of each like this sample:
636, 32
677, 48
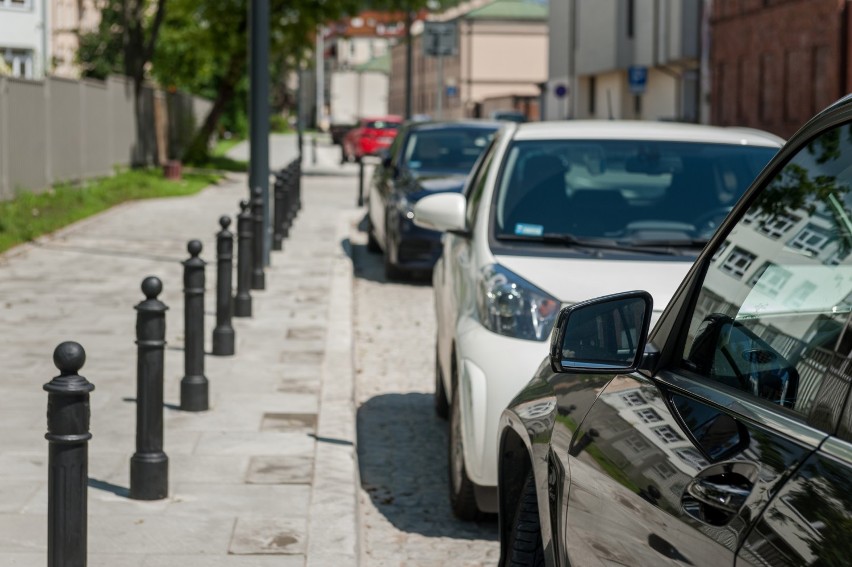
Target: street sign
452, 90
439, 39
560, 91
637, 76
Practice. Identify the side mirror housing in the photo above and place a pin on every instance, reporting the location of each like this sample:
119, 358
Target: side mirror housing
603, 335
441, 211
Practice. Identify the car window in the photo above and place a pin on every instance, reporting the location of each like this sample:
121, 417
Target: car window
477, 183
631, 191
772, 318
445, 150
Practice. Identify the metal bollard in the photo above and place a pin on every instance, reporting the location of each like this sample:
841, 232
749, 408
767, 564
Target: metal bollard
314, 149
361, 183
223, 334
149, 466
258, 277
287, 205
68, 458
245, 229
193, 386
297, 183
278, 213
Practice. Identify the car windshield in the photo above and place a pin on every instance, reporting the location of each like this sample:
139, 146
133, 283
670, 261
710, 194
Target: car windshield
639, 193
382, 125
445, 150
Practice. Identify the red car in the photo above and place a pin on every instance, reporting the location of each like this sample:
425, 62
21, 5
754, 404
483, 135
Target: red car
371, 136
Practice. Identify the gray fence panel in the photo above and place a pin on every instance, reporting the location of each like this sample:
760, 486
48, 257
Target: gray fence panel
66, 120
122, 123
27, 133
5, 187
95, 134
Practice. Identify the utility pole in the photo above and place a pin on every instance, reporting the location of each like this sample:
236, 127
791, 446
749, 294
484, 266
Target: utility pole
408, 64
259, 111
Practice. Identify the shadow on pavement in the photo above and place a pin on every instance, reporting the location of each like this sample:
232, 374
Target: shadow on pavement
109, 487
402, 456
370, 266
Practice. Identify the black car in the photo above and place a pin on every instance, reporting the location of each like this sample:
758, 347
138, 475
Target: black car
725, 436
425, 158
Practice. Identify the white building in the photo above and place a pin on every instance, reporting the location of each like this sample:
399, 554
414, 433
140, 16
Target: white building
594, 45
24, 41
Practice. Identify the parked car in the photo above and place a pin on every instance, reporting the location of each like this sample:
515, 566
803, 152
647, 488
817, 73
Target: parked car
510, 115
724, 438
556, 213
426, 158
370, 137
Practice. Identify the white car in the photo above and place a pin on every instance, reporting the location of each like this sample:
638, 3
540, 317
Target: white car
552, 214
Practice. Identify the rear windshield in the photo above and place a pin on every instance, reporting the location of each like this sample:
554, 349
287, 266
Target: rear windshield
446, 150
625, 190
382, 125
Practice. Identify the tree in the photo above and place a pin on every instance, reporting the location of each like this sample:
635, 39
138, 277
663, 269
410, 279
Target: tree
125, 42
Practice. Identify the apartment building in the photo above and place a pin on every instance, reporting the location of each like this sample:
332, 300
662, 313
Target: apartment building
625, 59
23, 41
776, 63
501, 54
68, 18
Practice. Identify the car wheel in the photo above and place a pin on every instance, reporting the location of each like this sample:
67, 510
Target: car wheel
442, 406
462, 497
525, 547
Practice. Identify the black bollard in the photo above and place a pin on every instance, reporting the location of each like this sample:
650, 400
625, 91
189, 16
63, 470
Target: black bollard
288, 190
297, 183
258, 277
68, 458
193, 386
149, 466
245, 229
223, 334
278, 213
314, 149
361, 183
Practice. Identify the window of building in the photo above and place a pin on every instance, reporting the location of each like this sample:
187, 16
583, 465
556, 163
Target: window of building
636, 443
16, 4
633, 399
770, 279
737, 262
631, 17
811, 240
692, 457
19, 61
664, 469
778, 226
648, 415
667, 434
592, 95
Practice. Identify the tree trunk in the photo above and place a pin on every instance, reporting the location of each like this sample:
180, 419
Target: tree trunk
198, 150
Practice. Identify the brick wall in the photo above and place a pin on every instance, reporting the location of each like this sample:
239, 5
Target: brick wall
776, 63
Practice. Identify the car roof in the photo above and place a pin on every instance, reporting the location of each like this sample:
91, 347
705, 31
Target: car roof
472, 123
644, 130
386, 118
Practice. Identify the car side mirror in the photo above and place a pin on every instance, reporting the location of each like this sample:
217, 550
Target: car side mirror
603, 335
441, 211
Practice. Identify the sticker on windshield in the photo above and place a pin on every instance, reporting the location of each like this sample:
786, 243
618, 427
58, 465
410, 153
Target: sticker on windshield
522, 229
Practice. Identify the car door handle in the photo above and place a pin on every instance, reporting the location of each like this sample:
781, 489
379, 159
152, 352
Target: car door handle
725, 497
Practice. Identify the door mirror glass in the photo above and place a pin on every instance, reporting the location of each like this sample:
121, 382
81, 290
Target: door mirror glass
607, 334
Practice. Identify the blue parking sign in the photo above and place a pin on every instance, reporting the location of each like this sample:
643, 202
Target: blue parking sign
637, 76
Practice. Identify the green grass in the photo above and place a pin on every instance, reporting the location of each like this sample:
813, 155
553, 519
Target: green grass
223, 146
31, 215
218, 159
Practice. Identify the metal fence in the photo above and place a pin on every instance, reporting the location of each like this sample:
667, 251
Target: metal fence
65, 130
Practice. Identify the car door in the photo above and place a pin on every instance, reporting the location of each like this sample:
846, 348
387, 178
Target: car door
381, 185
723, 444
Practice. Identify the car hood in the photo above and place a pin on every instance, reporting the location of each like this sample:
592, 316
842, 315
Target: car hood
418, 186
572, 280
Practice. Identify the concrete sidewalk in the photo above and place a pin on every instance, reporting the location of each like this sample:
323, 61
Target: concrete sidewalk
267, 476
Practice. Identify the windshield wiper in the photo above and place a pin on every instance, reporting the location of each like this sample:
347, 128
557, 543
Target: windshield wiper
663, 243
585, 244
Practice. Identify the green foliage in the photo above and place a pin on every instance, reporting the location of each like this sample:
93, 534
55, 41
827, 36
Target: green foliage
101, 51
31, 215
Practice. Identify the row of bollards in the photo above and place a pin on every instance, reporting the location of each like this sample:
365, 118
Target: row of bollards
68, 394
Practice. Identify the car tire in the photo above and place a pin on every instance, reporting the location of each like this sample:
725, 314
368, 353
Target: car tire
525, 545
442, 405
392, 271
372, 243
462, 496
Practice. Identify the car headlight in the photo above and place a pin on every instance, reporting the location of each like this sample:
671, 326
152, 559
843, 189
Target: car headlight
510, 306
405, 207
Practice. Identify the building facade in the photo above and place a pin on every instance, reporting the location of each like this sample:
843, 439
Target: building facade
596, 47
69, 18
775, 63
23, 43
501, 53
